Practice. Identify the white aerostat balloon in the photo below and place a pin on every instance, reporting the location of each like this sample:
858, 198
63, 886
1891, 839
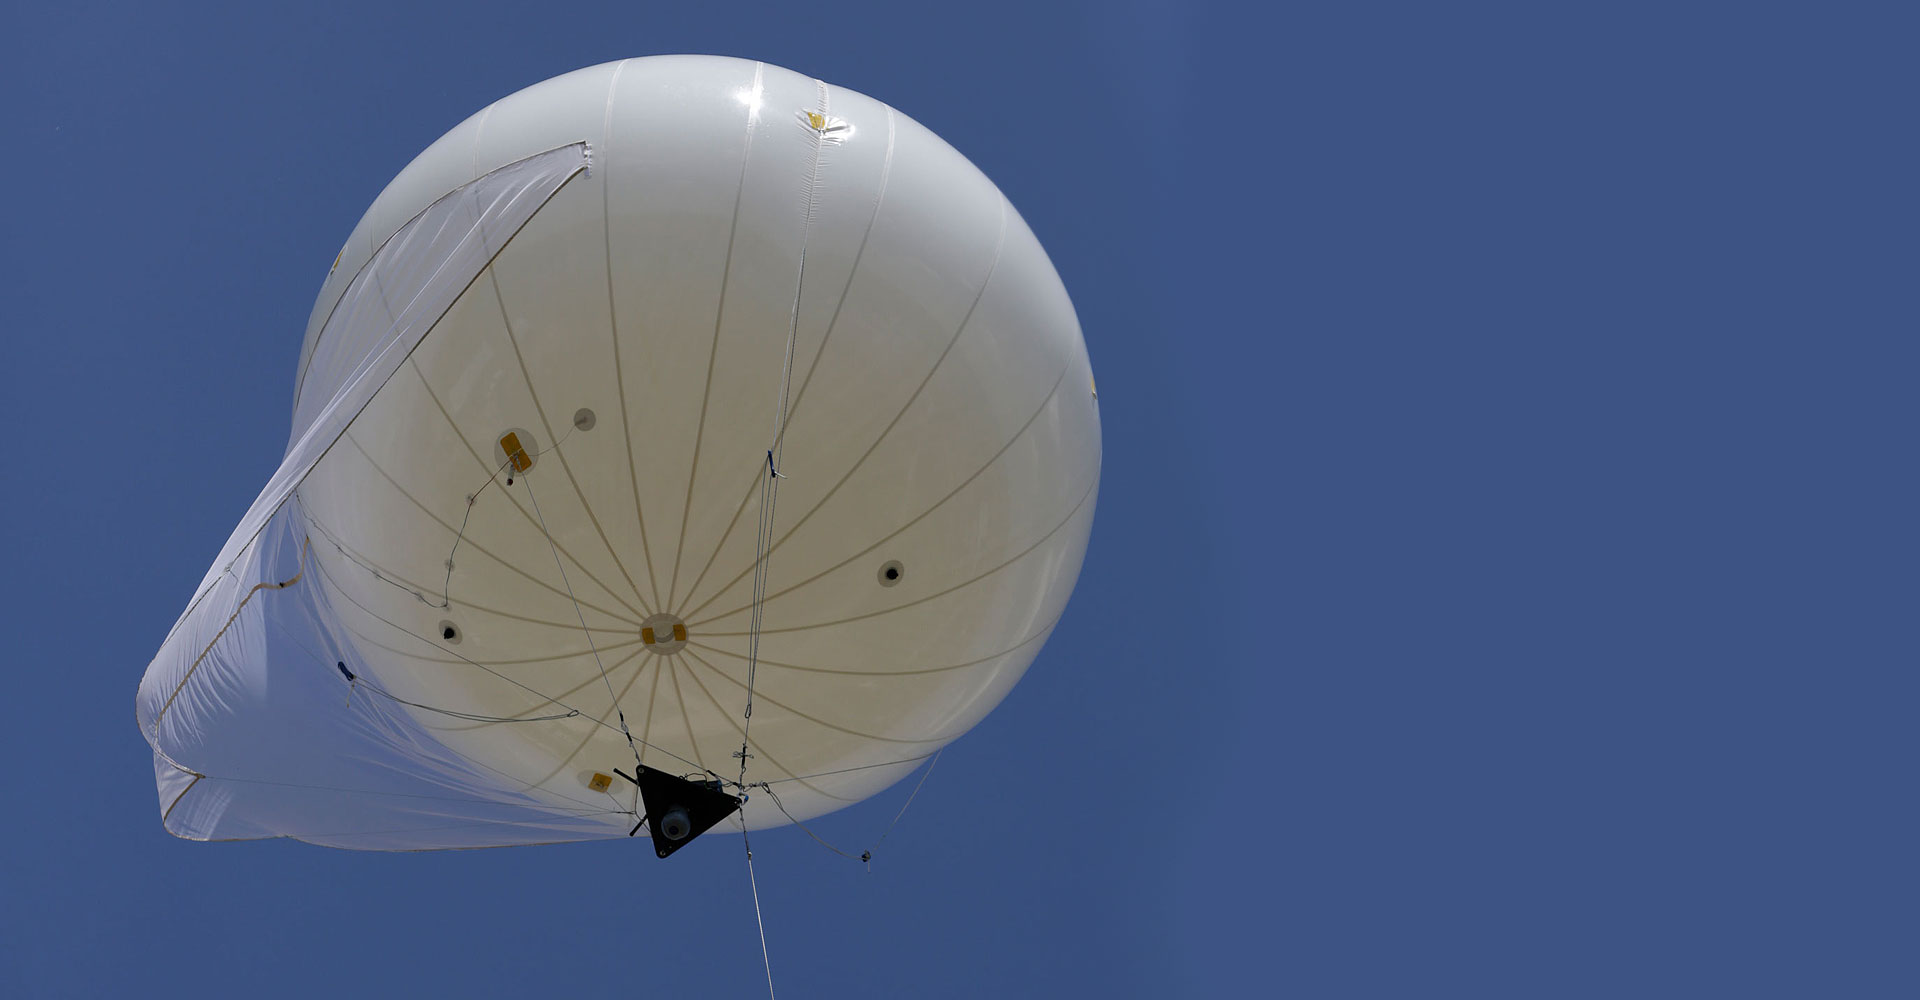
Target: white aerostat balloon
647, 389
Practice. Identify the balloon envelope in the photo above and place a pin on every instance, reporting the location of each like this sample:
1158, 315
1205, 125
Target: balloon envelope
646, 387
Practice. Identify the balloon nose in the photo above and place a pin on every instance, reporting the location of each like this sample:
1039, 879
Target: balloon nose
674, 825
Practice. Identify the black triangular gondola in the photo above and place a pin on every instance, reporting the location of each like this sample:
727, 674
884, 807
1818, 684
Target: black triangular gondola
705, 804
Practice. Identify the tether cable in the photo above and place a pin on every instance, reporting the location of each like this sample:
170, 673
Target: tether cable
757, 918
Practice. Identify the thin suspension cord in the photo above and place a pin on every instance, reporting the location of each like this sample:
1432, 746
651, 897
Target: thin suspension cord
924, 775
615, 699
355, 682
301, 645
769, 493
770, 485
803, 827
865, 856
446, 587
850, 770
769, 498
305, 544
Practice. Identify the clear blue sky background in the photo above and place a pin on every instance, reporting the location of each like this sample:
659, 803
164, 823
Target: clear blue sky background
1504, 576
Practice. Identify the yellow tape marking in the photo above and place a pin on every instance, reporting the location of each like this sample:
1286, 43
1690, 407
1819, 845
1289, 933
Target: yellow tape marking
510, 443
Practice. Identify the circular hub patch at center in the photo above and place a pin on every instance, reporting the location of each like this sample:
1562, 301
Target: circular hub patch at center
663, 634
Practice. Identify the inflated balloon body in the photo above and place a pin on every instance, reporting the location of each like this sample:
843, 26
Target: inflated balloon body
662, 411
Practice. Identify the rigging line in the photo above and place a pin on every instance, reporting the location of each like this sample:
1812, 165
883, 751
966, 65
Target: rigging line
503, 561
686, 720
340, 664
865, 856
777, 449
622, 805
371, 363
523, 661
800, 280
506, 324
324, 576
583, 621
355, 682
924, 775
1022, 554
446, 590
392, 578
850, 770
613, 331
757, 918
556, 699
360, 370
719, 317
338, 834
332, 642
584, 810
587, 740
833, 322
353, 559
305, 543
769, 492
965, 320
771, 759
923, 515
460, 436
446, 587
1044, 630
646, 724
816, 720
803, 827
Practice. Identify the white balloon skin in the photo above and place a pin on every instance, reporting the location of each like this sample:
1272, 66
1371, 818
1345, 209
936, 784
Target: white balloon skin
940, 423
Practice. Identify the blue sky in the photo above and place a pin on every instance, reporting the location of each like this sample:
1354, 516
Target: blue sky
1512, 408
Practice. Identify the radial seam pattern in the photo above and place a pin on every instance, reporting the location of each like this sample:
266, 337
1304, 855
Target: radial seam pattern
999, 245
